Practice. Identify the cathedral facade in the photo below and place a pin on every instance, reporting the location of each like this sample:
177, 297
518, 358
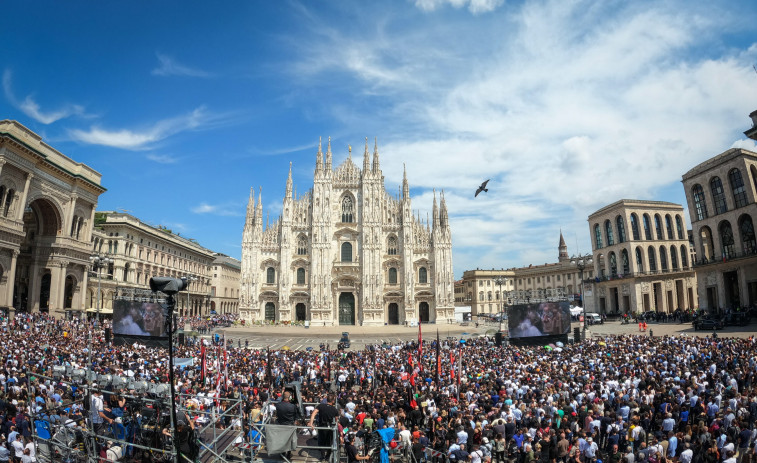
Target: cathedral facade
347, 253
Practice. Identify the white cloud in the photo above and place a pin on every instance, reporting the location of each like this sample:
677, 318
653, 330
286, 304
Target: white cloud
171, 67
32, 109
162, 158
219, 209
140, 139
572, 106
474, 6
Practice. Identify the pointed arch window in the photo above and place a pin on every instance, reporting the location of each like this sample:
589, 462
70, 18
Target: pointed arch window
746, 227
679, 227
608, 232
652, 259
684, 259
718, 195
270, 275
347, 252
392, 276
620, 224
300, 276
391, 246
635, 227
348, 210
422, 275
302, 246
647, 227
598, 235
737, 187
673, 258
726, 239
639, 260
698, 192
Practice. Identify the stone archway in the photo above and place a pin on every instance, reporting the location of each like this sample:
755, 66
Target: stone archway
270, 311
394, 314
346, 309
424, 312
68, 295
300, 312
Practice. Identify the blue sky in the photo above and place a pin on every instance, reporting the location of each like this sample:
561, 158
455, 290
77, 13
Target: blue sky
566, 105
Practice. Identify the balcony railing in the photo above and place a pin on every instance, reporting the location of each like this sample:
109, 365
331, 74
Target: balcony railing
727, 257
623, 276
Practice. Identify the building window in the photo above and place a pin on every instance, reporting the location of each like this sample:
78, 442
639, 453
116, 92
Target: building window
684, 260
348, 210
270, 275
624, 262
679, 227
746, 227
489, 294
422, 275
718, 195
480, 283
608, 232
302, 246
673, 258
480, 295
669, 226
621, 226
300, 276
613, 264
698, 192
635, 227
663, 259
347, 252
737, 187
598, 236
647, 228
391, 246
658, 226
652, 259
639, 260
392, 276
726, 238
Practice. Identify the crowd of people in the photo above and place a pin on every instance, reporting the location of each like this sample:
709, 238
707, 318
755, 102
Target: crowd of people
619, 399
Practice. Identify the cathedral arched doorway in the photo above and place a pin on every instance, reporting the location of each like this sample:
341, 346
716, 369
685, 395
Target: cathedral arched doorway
394, 314
68, 296
346, 309
212, 306
270, 311
44, 293
423, 312
300, 312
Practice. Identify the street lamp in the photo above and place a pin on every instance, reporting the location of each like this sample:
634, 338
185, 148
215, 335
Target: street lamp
581, 262
190, 279
98, 262
500, 281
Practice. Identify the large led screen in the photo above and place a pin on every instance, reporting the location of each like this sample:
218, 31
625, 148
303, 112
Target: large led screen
540, 319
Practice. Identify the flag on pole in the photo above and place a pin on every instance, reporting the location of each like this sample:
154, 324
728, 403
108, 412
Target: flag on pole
459, 370
204, 364
268, 373
420, 348
451, 364
438, 362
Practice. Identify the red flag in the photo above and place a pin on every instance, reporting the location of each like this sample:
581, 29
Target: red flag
410, 361
204, 367
451, 364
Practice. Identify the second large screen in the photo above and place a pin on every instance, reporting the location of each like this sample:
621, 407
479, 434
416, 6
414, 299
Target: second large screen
542, 319
136, 318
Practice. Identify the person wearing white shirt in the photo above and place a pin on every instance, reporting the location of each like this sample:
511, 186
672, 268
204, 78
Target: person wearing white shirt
18, 447
686, 455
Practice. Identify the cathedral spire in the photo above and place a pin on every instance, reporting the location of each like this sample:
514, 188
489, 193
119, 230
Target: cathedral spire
444, 218
436, 212
328, 156
251, 205
376, 166
288, 193
366, 158
405, 188
563, 249
319, 156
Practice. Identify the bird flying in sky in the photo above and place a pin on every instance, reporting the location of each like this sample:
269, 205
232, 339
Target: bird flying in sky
482, 188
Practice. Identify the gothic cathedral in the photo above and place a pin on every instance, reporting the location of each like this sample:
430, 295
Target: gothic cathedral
347, 253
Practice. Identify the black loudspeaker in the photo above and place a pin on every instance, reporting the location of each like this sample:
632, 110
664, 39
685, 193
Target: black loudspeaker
181, 338
498, 338
107, 334
577, 334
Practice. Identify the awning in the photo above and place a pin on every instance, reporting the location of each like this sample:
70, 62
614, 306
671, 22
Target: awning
103, 310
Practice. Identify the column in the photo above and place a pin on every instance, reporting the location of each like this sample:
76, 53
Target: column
11, 285
22, 206
70, 217
57, 282
35, 274
2, 163
91, 225
84, 291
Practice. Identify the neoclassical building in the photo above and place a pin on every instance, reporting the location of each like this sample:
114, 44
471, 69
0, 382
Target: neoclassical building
47, 209
641, 258
224, 285
347, 253
722, 198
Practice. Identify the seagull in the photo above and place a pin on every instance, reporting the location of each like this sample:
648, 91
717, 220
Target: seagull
482, 188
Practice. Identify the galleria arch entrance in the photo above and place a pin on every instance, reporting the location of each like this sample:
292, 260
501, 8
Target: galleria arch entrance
346, 309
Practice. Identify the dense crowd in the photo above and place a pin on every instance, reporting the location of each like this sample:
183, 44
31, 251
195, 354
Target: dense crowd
625, 398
